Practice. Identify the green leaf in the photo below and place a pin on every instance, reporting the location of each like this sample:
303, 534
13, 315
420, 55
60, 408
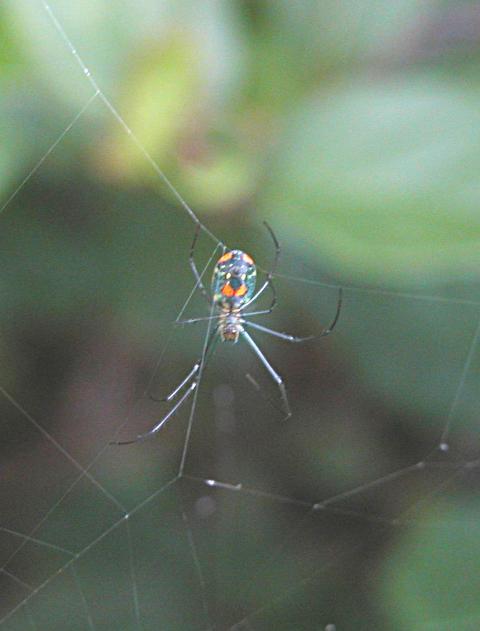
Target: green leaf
383, 179
431, 580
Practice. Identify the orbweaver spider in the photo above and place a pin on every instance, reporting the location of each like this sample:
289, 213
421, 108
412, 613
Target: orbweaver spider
233, 290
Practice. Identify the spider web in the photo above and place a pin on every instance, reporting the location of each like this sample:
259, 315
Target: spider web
152, 537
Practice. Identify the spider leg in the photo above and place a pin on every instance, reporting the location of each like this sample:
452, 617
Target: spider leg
174, 392
202, 319
264, 396
274, 375
270, 274
283, 336
294, 338
160, 424
277, 251
263, 311
193, 377
193, 266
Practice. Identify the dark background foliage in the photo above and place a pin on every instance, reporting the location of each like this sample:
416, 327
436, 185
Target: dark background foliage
354, 129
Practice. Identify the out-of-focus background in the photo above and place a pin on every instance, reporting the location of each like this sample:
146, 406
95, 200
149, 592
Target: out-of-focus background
353, 128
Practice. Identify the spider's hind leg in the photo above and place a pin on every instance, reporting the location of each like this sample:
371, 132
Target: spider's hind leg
191, 380
272, 372
176, 390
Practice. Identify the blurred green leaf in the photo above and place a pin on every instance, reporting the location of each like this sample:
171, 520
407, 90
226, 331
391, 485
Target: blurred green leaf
363, 150
382, 178
431, 580
159, 105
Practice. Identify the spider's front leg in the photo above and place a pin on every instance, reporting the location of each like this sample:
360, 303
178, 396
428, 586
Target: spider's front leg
193, 266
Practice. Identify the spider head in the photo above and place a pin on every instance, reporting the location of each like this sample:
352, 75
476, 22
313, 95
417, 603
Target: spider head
230, 334
230, 327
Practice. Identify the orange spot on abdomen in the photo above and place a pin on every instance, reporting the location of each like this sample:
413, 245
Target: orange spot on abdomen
226, 257
227, 290
241, 291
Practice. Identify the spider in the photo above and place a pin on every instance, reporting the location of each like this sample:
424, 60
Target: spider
233, 290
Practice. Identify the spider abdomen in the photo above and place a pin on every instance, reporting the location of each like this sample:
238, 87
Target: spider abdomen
234, 280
